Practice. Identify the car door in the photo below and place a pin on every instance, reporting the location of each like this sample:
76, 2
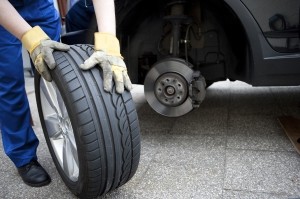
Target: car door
272, 28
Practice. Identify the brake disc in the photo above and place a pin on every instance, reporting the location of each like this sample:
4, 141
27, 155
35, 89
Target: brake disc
167, 87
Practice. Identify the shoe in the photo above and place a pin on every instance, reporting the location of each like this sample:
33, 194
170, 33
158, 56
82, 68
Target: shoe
33, 174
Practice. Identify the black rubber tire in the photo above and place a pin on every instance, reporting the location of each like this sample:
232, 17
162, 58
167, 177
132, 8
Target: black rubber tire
105, 125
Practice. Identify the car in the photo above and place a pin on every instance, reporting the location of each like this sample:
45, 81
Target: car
178, 48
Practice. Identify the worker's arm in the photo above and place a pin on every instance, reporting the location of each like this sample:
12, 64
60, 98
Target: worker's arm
11, 20
107, 48
35, 40
105, 14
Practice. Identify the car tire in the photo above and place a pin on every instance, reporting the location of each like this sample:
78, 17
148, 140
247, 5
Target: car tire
93, 136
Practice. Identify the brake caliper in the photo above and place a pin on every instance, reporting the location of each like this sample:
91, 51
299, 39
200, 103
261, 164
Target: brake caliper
197, 89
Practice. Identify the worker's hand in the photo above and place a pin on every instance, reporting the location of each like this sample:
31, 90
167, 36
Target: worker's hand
107, 55
40, 48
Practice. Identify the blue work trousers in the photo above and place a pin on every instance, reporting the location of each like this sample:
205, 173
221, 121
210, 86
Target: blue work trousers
19, 140
79, 17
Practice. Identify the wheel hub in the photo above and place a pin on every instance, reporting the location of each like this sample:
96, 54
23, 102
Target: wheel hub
171, 89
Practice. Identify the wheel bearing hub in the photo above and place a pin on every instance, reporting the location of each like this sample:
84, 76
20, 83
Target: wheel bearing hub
167, 87
170, 89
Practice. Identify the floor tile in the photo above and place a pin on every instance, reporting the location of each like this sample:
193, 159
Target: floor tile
261, 171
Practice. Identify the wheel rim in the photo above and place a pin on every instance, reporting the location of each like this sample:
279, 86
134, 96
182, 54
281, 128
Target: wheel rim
59, 129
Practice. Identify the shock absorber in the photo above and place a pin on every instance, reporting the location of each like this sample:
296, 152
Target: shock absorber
176, 17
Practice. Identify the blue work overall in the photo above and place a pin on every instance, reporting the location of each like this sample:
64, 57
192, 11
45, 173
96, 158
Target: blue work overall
19, 140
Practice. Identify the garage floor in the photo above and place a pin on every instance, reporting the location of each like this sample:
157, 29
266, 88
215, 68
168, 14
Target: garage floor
231, 147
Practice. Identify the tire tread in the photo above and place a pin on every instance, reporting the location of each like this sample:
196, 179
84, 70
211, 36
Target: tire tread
105, 124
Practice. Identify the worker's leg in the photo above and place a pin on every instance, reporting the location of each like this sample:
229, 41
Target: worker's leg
80, 15
18, 138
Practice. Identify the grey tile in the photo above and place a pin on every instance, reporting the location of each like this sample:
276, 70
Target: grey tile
138, 106
170, 181
122, 193
4, 180
184, 165
150, 145
232, 194
12, 186
287, 95
288, 99
176, 173
269, 142
216, 97
146, 111
254, 100
202, 121
153, 122
6, 164
261, 171
261, 124
147, 194
194, 143
206, 191
22, 191
259, 132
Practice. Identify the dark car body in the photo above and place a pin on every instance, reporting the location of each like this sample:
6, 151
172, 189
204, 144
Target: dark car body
242, 39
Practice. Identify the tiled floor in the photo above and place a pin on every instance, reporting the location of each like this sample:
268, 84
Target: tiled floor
231, 147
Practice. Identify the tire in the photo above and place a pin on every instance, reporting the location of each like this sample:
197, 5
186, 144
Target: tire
93, 136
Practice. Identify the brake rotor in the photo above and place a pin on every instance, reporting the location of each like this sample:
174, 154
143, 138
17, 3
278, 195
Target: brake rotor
167, 87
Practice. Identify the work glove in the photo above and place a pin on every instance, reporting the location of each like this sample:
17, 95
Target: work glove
107, 56
40, 48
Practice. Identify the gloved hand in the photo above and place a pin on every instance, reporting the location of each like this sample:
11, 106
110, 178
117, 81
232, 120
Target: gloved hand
107, 55
40, 48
